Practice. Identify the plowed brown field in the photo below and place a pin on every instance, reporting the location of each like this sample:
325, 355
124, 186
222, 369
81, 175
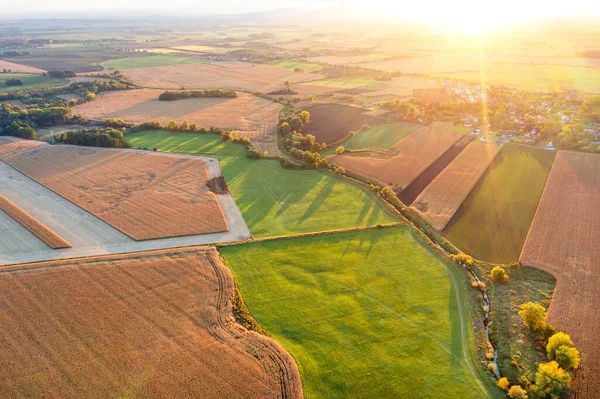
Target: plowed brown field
144, 195
441, 199
414, 154
42, 232
246, 112
155, 325
218, 75
18, 67
563, 240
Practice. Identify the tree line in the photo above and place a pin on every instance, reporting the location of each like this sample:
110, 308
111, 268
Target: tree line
179, 95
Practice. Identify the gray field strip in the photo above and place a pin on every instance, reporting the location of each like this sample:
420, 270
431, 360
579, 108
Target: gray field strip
88, 234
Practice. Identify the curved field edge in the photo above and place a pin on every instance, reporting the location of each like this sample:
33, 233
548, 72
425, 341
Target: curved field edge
311, 306
199, 265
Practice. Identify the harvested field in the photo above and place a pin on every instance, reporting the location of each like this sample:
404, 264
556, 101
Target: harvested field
332, 122
442, 125
11, 66
563, 241
493, 221
414, 155
143, 195
217, 75
42, 232
246, 112
414, 189
441, 199
155, 325
435, 95
276, 201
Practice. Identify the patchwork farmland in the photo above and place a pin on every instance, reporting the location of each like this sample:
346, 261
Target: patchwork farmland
148, 324
413, 155
330, 123
275, 201
217, 75
441, 199
493, 221
357, 315
245, 112
146, 196
563, 241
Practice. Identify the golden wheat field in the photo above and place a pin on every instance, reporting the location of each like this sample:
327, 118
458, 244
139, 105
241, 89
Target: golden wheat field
154, 325
142, 194
563, 240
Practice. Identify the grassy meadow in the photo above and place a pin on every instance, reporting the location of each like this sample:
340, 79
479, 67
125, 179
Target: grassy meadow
365, 314
30, 82
379, 137
150, 61
493, 221
276, 201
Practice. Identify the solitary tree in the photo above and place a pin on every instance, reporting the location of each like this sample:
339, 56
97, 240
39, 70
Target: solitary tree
503, 383
551, 380
533, 315
340, 170
340, 150
185, 125
305, 116
499, 274
516, 392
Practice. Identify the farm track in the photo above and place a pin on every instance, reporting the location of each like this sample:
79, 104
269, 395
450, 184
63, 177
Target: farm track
196, 304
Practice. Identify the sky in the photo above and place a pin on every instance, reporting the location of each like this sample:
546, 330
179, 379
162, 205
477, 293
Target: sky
463, 11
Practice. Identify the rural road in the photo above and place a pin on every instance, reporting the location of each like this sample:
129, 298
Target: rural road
88, 234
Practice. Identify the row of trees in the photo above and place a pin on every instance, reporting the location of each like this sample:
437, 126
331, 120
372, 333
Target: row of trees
95, 137
178, 95
13, 82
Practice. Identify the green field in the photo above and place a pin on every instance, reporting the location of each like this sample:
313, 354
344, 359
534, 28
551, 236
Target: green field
151, 61
276, 201
536, 77
379, 137
185, 143
306, 67
492, 223
367, 314
30, 82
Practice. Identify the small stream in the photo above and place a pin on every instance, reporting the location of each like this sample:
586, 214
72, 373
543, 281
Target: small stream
486, 320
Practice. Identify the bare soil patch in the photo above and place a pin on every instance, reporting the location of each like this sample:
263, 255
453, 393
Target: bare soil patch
414, 155
332, 122
156, 325
218, 75
441, 199
18, 67
42, 232
563, 241
246, 112
144, 195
